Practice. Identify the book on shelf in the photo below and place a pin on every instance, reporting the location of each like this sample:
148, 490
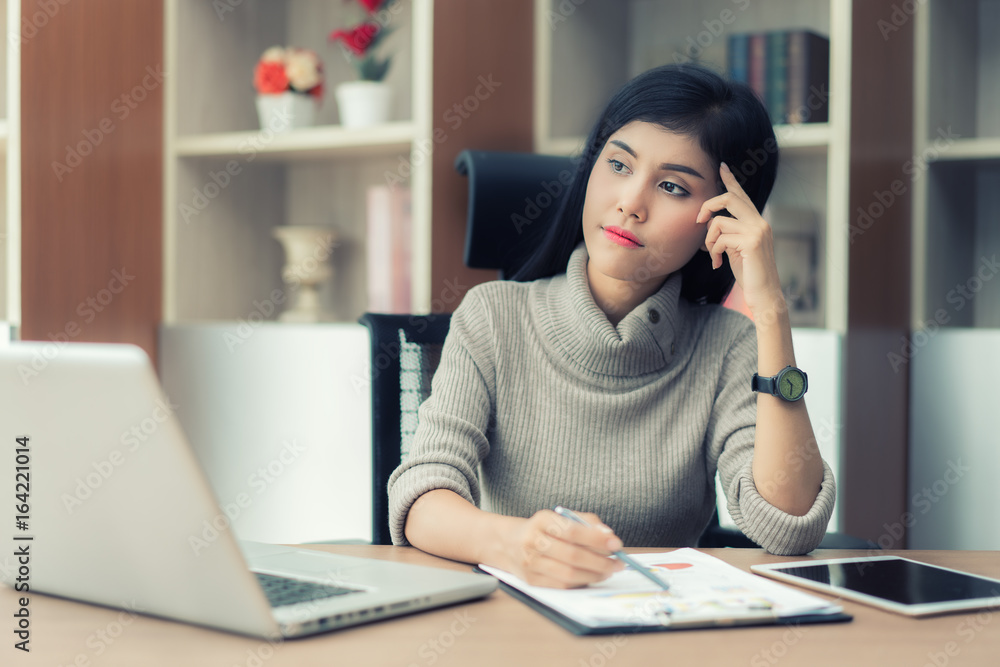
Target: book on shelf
388, 250
788, 69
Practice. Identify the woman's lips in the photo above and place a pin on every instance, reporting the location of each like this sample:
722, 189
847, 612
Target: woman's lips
622, 237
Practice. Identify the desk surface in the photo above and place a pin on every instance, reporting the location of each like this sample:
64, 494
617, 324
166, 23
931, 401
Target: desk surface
501, 631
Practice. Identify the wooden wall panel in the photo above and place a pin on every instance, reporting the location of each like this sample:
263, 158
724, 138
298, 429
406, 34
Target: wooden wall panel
91, 161
873, 485
483, 64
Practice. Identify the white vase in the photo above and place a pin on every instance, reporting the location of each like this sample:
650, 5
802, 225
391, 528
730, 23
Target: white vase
286, 111
307, 267
363, 103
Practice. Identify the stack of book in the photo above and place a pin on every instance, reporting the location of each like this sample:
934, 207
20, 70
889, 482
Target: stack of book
789, 70
388, 243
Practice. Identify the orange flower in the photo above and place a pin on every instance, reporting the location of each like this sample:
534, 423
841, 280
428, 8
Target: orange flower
269, 77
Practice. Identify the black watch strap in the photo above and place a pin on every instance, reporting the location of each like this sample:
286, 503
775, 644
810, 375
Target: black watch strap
764, 385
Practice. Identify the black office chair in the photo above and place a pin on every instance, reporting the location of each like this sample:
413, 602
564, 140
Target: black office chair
405, 352
512, 197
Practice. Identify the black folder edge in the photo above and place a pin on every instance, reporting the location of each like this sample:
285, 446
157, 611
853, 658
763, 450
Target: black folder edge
580, 629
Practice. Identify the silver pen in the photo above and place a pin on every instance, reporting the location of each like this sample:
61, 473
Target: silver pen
620, 554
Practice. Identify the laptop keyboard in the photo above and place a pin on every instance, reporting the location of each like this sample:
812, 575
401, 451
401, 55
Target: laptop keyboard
282, 591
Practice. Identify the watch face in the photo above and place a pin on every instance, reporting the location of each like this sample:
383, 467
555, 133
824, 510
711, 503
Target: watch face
791, 384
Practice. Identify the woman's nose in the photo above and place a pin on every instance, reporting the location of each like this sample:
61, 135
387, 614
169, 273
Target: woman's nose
632, 201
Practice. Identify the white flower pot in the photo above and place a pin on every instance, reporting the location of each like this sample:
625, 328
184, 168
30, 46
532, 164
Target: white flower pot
286, 111
363, 103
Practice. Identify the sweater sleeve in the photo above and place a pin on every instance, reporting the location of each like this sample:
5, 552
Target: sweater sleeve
450, 440
732, 430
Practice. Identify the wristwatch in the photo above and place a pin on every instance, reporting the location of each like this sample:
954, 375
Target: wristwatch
789, 384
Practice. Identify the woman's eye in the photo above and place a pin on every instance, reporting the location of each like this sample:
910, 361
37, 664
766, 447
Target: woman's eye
617, 166
673, 189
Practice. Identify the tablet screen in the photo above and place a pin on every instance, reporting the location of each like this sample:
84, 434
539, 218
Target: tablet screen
897, 580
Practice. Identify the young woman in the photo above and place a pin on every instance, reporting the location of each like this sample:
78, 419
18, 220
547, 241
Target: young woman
608, 379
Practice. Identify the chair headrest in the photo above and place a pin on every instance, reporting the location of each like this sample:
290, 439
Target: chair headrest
510, 194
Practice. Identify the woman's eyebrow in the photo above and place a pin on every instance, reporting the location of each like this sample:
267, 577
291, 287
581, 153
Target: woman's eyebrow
666, 166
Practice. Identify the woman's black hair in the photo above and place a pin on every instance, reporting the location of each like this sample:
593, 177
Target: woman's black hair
731, 125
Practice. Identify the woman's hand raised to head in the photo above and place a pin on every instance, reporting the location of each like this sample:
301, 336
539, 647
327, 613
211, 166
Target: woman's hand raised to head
747, 240
550, 550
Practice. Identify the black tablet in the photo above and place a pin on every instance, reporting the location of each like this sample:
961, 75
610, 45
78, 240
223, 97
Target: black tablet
897, 584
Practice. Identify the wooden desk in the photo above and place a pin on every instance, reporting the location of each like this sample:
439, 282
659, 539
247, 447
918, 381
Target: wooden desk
501, 631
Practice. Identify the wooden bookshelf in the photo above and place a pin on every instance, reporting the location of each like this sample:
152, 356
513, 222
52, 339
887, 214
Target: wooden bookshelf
957, 142
219, 260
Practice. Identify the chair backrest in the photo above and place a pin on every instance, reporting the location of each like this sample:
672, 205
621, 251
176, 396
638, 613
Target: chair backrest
405, 352
512, 197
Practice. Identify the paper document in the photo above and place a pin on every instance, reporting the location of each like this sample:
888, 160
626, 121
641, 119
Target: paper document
703, 591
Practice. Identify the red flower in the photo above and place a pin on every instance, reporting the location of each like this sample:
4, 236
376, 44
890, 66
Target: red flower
317, 91
356, 39
370, 5
270, 78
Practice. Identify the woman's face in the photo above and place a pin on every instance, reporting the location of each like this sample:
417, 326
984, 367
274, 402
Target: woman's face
643, 196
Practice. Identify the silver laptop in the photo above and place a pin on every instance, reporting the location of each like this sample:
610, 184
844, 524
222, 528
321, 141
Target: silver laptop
118, 512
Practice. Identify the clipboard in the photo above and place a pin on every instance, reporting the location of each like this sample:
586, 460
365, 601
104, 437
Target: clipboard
573, 610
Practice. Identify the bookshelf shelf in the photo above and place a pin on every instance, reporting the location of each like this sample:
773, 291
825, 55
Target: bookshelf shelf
803, 139
332, 141
955, 202
966, 149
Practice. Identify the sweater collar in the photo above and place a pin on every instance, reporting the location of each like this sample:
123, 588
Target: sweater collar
576, 329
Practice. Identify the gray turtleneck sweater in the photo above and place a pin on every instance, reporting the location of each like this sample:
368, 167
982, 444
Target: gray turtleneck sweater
540, 401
